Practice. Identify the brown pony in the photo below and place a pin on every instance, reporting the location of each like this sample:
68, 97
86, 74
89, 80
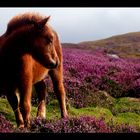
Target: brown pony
29, 50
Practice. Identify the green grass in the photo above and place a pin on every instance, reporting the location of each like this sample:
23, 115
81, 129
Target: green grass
132, 119
126, 104
127, 111
98, 112
6, 110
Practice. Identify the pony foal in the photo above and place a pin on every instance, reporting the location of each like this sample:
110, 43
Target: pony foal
29, 50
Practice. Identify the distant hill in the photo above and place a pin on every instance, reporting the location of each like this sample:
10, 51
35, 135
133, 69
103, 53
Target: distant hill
125, 45
70, 45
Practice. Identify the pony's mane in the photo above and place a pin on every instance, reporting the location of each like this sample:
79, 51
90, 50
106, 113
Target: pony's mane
22, 20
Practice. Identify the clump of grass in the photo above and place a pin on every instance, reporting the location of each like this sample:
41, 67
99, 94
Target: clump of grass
126, 104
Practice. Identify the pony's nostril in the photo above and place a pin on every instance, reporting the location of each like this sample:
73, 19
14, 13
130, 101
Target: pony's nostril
53, 65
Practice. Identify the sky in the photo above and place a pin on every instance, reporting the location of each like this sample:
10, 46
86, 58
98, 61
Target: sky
75, 25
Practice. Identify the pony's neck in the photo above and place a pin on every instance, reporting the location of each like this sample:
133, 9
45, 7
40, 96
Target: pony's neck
14, 42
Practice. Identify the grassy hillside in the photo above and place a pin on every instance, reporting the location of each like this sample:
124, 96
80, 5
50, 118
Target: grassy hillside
125, 45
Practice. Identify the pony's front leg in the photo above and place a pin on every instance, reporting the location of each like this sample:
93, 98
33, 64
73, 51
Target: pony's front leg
13, 99
24, 82
41, 91
57, 79
25, 101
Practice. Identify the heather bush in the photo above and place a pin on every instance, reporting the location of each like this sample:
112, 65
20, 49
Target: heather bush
83, 124
89, 71
5, 126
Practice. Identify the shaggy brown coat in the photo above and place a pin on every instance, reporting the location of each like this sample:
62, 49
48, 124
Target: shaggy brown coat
29, 50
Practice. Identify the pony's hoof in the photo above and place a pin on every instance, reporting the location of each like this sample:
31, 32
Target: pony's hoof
65, 116
21, 126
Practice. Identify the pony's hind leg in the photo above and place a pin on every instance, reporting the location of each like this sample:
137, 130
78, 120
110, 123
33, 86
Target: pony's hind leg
57, 79
13, 99
41, 91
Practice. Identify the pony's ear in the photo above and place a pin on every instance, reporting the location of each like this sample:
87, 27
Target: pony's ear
42, 23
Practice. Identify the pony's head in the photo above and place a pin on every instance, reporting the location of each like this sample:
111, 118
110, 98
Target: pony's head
38, 38
43, 44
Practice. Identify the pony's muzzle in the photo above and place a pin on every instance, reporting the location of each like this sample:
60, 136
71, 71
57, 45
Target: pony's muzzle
53, 64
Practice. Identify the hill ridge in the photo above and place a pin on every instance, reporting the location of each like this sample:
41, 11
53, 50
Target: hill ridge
125, 45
